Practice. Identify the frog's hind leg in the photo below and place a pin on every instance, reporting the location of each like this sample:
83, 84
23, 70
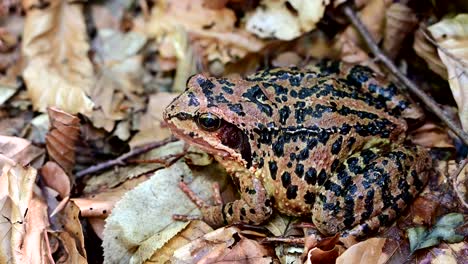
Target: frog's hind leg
370, 189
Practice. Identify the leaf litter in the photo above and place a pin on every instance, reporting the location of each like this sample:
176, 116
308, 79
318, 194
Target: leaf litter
80, 93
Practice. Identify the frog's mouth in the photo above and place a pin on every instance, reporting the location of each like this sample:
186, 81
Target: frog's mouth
228, 141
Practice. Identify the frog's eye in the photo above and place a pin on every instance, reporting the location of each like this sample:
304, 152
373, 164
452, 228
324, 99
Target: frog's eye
208, 121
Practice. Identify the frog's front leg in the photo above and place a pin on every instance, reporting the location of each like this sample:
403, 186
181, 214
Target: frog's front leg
370, 189
254, 207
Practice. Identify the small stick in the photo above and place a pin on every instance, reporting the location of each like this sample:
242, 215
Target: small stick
288, 240
428, 101
121, 160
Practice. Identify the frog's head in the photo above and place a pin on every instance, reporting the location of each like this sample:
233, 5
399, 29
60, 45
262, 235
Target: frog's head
211, 114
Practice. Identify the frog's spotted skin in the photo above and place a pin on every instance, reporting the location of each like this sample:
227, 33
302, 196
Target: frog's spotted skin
325, 141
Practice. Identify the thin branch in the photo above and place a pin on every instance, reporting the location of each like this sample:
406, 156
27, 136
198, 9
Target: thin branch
121, 160
428, 101
453, 178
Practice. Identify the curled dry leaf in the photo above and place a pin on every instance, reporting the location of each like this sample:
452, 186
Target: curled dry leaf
275, 19
62, 138
213, 32
224, 245
400, 21
56, 47
373, 250
14, 150
451, 36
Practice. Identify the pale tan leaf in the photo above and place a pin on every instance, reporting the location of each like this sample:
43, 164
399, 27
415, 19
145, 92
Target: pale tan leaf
154, 201
373, 250
224, 245
18, 150
194, 230
16, 192
37, 224
58, 72
400, 21
451, 36
428, 52
215, 36
431, 135
62, 138
273, 19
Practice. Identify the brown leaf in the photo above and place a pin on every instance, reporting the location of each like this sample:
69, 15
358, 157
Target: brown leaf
373, 250
55, 178
56, 46
224, 245
431, 135
400, 21
62, 138
17, 150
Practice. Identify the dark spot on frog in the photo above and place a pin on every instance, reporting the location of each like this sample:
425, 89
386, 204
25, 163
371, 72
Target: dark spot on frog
227, 89
322, 177
252, 211
289, 164
309, 198
293, 93
351, 142
303, 154
286, 179
349, 212
295, 81
193, 101
353, 165
237, 108
367, 156
311, 176
191, 134
368, 205
291, 192
331, 186
207, 89
243, 212
359, 75
221, 99
284, 113
273, 169
256, 95
334, 165
299, 170
230, 211
336, 146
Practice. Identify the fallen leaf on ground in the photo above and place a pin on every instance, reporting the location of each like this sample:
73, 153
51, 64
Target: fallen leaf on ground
55, 178
451, 35
18, 150
431, 135
57, 47
224, 245
285, 19
400, 21
373, 250
62, 138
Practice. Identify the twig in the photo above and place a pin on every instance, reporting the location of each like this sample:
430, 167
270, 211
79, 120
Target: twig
444, 50
453, 179
121, 160
428, 101
287, 240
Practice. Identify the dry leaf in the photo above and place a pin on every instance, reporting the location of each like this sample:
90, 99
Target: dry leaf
194, 230
17, 150
275, 19
154, 201
213, 32
400, 21
16, 192
373, 250
224, 245
58, 72
431, 135
451, 36
118, 87
55, 178
62, 138
37, 224
428, 52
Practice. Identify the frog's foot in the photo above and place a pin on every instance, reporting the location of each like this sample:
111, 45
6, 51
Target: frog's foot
202, 205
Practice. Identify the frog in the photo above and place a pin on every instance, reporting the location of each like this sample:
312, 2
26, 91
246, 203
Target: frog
326, 141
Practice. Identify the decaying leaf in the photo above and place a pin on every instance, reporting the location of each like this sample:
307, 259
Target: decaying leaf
16, 192
428, 52
443, 230
118, 83
431, 135
58, 72
285, 19
373, 250
154, 201
400, 21
213, 33
55, 178
224, 245
451, 35
17, 150
62, 138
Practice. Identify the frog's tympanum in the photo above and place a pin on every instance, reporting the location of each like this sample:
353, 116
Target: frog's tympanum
325, 141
